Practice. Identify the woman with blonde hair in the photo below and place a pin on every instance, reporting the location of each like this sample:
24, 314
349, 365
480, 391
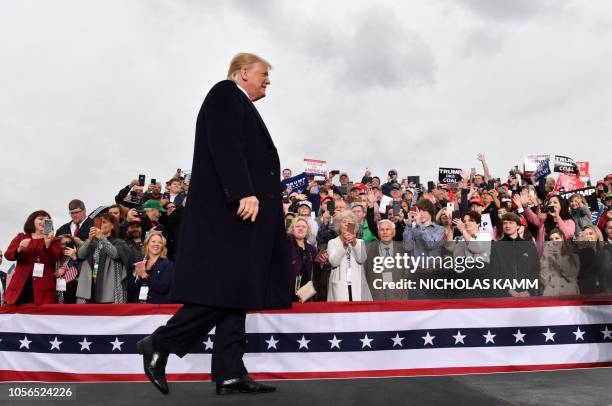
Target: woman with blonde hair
152, 277
559, 266
305, 261
595, 263
347, 254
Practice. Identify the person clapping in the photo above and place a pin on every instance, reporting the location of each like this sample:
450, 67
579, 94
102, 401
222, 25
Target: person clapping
152, 277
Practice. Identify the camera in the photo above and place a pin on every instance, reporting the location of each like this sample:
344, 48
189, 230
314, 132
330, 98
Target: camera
70, 244
140, 213
285, 197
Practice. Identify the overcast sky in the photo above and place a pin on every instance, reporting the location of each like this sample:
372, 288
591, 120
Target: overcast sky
92, 93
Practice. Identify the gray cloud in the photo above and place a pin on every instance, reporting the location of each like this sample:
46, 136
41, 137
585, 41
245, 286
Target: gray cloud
512, 10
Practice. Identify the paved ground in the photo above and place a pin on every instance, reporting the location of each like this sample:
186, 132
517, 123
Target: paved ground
572, 387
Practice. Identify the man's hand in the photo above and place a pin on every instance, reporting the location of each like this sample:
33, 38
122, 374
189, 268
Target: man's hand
480, 157
248, 208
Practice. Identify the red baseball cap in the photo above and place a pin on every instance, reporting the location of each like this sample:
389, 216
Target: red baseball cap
359, 186
477, 200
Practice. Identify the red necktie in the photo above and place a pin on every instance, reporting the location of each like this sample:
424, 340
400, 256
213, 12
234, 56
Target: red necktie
76, 229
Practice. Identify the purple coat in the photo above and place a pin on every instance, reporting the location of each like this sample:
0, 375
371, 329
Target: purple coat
295, 262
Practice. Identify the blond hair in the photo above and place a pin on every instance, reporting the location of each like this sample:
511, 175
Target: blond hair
598, 235
145, 245
295, 221
244, 60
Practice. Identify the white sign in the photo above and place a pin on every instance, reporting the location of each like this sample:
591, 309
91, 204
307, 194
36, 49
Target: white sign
533, 161
384, 202
315, 167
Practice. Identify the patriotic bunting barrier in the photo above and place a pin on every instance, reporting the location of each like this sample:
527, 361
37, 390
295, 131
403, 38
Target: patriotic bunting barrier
317, 340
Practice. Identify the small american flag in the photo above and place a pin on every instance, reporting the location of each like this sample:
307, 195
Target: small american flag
71, 270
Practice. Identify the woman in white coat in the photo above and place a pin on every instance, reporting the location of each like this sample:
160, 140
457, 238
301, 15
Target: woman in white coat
347, 254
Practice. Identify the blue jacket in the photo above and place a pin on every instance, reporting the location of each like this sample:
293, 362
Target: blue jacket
160, 280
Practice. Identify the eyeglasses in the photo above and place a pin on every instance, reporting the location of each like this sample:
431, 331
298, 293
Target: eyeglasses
76, 211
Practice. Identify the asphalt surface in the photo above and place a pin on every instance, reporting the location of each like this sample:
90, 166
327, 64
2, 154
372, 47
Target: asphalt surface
569, 387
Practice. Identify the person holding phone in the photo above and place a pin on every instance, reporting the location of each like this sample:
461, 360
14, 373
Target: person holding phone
347, 254
471, 243
66, 270
104, 259
132, 195
553, 214
422, 237
33, 280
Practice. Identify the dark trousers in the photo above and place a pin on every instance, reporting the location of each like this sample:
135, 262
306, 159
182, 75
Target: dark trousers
188, 327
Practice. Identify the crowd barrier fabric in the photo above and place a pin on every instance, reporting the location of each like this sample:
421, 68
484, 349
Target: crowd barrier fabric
88, 343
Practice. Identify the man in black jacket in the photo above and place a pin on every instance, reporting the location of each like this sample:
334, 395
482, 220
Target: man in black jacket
514, 259
80, 224
232, 256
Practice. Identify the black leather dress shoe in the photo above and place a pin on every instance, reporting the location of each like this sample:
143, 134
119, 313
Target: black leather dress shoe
243, 385
154, 364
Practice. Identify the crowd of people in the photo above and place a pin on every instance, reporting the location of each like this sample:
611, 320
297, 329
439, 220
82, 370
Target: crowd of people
338, 234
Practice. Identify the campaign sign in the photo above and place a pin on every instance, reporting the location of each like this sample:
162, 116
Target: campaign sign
565, 164
449, 175
568, 183
543, 170
533, 161
583, 168
315, 167
589, 193
297, 183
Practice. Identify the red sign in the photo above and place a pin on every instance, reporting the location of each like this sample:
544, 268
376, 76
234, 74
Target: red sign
568, 183
583, 167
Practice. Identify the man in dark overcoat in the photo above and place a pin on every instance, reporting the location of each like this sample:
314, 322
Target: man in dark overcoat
232, 255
